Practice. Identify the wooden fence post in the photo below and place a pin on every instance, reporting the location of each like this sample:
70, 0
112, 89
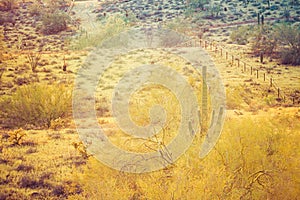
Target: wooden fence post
238, 63
221, 51
271, 82
264, 76
244, 67
251, 69
278, 93
257, 73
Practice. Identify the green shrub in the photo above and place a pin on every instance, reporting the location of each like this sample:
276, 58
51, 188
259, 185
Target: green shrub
198, 3
289, 37
264, 40
103, 30
54, 22
36, 105
241, 35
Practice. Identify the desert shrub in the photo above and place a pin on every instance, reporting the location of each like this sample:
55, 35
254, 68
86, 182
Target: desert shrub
6, 5
178, 25
7, 18
2, 44
16, 136
35, 9
2, 70
54, 22
33, 58
35, 104
57, 124
28, 182
198, 4
289, 37
241, 35
171, 39
103, 30
25, 168
264, 40
79, 146
55, 5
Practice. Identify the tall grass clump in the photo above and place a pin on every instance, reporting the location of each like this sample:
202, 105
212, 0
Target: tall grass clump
36, 105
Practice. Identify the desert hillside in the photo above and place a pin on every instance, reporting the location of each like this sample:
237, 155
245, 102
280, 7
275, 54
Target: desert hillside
149, 99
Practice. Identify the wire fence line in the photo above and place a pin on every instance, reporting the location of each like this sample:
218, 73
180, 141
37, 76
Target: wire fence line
257, 73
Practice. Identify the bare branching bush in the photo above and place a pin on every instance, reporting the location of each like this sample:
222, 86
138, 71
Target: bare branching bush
36, 104
33, 58
16, 136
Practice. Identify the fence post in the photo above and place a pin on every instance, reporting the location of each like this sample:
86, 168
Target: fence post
251, 70
238, 63
232, 59
271, 82
244, 67
221, 51
264, 76
278, 93
257, 73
